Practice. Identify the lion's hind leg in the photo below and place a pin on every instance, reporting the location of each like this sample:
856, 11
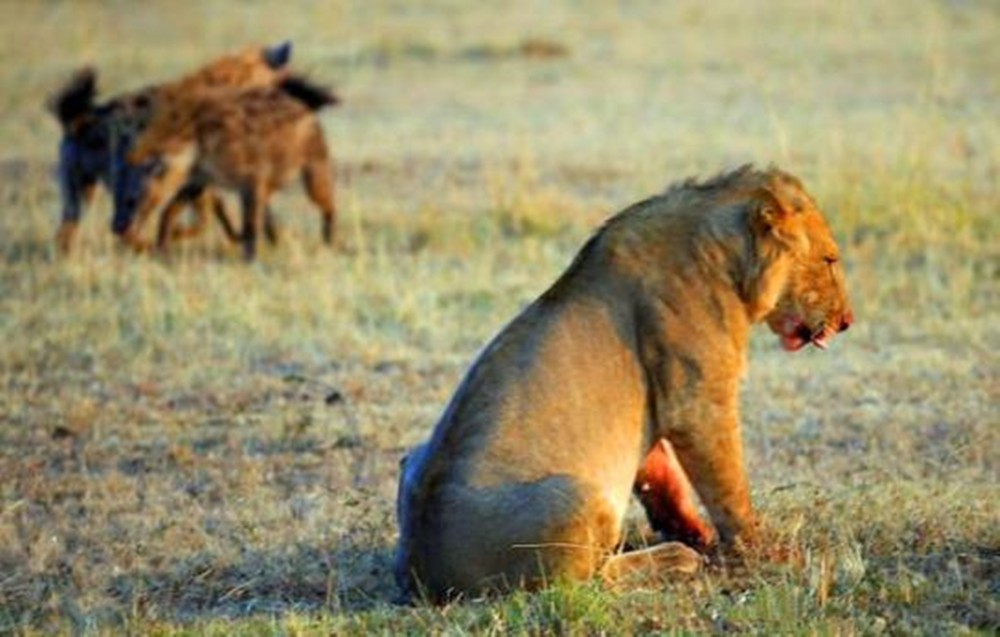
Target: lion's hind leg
651, 564
495, 539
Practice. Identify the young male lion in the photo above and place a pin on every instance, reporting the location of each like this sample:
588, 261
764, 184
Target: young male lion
97, 137
528, 473
250, 141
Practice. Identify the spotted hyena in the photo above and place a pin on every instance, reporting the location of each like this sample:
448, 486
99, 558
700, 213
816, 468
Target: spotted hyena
96, 137
247, 141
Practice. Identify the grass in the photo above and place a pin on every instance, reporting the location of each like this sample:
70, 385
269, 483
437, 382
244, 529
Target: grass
192, 446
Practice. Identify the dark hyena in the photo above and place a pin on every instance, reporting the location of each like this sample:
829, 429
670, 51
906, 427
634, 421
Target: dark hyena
97, 137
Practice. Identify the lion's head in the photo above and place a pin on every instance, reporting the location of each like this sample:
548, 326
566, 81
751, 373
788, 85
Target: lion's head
796, 283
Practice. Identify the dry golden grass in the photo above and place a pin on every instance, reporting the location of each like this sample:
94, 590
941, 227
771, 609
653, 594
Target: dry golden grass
192, 444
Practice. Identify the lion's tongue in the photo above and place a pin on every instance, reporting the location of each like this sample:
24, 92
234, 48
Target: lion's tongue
792, 342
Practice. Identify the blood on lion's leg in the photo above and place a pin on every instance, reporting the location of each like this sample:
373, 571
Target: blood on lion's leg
668, 497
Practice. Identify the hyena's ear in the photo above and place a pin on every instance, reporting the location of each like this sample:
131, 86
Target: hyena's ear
279, 55
74, 101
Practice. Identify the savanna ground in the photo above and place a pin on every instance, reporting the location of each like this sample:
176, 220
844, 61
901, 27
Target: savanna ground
192, 445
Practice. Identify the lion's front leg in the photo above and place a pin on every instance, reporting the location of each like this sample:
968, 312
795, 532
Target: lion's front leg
712, 456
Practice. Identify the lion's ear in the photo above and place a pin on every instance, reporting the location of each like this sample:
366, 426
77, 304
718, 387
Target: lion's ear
772, 218
767, 213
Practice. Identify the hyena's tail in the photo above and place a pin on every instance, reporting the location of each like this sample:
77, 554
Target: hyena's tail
312, 95
75, 98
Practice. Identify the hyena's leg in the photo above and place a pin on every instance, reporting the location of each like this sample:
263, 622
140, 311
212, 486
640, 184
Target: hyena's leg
168, 218
254, 200
666, 493
219, 208
158, 190
270, 228
317, 176
74, 204
76, 190
229, 228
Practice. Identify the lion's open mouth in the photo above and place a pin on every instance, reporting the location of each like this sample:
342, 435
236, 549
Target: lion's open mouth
795, 335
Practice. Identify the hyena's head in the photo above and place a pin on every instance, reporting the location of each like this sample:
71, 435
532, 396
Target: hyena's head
130, 186
163, 144
126, 192
128, 179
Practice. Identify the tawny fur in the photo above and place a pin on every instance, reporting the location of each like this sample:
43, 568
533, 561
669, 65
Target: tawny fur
527, 475
251, 142
245, 69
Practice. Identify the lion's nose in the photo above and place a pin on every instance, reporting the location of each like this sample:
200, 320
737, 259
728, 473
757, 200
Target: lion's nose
846, 320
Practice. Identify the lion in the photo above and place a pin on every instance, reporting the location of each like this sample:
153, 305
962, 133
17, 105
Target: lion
97, 137
249, 141
527, 475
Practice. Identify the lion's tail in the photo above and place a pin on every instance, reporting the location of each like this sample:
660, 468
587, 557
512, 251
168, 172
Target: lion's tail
651, 564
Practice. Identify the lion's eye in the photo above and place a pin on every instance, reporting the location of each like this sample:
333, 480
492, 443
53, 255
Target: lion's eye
831, 260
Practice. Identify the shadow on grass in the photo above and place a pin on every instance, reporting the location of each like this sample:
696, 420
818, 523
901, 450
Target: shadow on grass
303, 578
23, 250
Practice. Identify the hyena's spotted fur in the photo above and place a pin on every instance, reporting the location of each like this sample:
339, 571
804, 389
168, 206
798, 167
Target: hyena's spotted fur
97, 137
249, 141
